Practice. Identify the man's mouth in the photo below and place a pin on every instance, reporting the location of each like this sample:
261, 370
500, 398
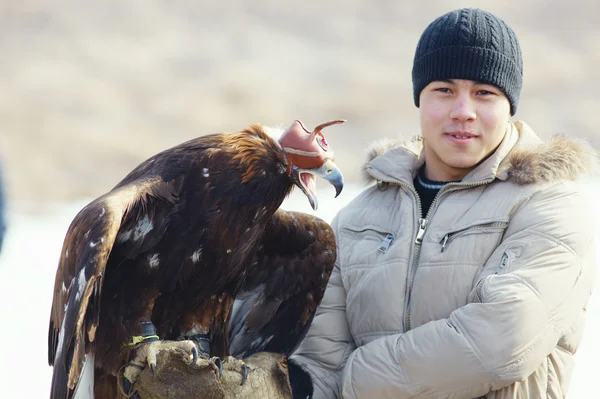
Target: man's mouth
461, 137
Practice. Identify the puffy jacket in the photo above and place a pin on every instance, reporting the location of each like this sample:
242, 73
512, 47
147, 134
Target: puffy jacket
485, 296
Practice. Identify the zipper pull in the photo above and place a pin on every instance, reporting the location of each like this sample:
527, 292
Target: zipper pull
502, 264
385, 244
444, 241
421, 232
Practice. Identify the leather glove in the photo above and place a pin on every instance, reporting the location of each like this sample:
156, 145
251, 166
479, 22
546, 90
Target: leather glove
302, 385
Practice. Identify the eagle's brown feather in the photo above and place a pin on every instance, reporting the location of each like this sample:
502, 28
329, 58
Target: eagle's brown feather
285, 284
173, 243
86, 249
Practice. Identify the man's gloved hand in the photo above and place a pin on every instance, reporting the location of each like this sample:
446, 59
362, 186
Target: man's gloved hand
302, 385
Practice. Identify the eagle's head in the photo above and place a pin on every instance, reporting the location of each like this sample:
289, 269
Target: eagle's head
308, 155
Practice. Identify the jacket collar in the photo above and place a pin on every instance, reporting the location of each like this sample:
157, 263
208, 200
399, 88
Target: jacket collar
521, 157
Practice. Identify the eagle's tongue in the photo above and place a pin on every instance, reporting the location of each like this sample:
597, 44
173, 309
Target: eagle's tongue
309, 182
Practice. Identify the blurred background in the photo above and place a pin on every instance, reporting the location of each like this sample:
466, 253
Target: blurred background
88, 90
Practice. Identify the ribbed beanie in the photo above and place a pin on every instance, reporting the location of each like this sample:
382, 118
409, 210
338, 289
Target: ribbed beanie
469, 44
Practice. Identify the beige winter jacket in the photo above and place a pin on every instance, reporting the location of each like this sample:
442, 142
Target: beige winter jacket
485, 296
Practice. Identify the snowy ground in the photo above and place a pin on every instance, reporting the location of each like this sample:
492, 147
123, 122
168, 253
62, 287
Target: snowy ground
27, 268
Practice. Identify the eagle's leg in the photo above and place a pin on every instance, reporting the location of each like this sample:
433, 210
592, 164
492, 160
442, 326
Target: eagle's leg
147, 346
207, 325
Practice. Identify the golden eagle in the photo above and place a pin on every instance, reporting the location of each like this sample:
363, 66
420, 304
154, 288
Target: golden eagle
158, 261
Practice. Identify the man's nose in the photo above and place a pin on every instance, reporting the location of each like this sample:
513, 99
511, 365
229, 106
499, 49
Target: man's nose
463, 109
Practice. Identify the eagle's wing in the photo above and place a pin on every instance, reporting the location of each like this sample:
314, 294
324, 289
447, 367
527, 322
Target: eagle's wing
283, 286
88, 244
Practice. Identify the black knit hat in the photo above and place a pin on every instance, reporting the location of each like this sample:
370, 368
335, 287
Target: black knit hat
469, 44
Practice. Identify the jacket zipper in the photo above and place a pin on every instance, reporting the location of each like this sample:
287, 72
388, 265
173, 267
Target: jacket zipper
421, 232
448, 238
503, 262
386, 242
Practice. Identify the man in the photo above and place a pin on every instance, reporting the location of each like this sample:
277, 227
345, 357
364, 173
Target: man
465, 270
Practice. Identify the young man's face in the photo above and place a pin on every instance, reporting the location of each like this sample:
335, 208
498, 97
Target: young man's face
462, 122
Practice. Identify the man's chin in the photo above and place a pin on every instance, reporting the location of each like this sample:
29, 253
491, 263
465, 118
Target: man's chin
466, 163
461, 167
462, 162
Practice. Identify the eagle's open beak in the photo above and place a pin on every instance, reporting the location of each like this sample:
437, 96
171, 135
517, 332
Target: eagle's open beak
306, 180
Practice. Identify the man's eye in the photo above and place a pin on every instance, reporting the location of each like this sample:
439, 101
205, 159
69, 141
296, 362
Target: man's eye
486, 93
443, 90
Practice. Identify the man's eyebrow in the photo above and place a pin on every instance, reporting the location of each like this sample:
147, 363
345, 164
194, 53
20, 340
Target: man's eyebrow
453, 82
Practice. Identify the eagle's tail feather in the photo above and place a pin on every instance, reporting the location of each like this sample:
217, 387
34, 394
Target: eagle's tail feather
85, 385
65, 367
59, 389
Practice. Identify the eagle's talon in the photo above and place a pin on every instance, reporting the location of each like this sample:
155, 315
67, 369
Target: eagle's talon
194, 355
127, 385
218, 363
147, 352
244, 373
127, 389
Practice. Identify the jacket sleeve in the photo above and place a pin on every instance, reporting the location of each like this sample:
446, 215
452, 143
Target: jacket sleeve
532, 289
328, 342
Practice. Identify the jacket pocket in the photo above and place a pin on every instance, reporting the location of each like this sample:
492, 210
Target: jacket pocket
479, 228
503, 264
364, 246
479, 291
381, 240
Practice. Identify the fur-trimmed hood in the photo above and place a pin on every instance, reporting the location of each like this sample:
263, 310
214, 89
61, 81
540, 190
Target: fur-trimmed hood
528, 160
